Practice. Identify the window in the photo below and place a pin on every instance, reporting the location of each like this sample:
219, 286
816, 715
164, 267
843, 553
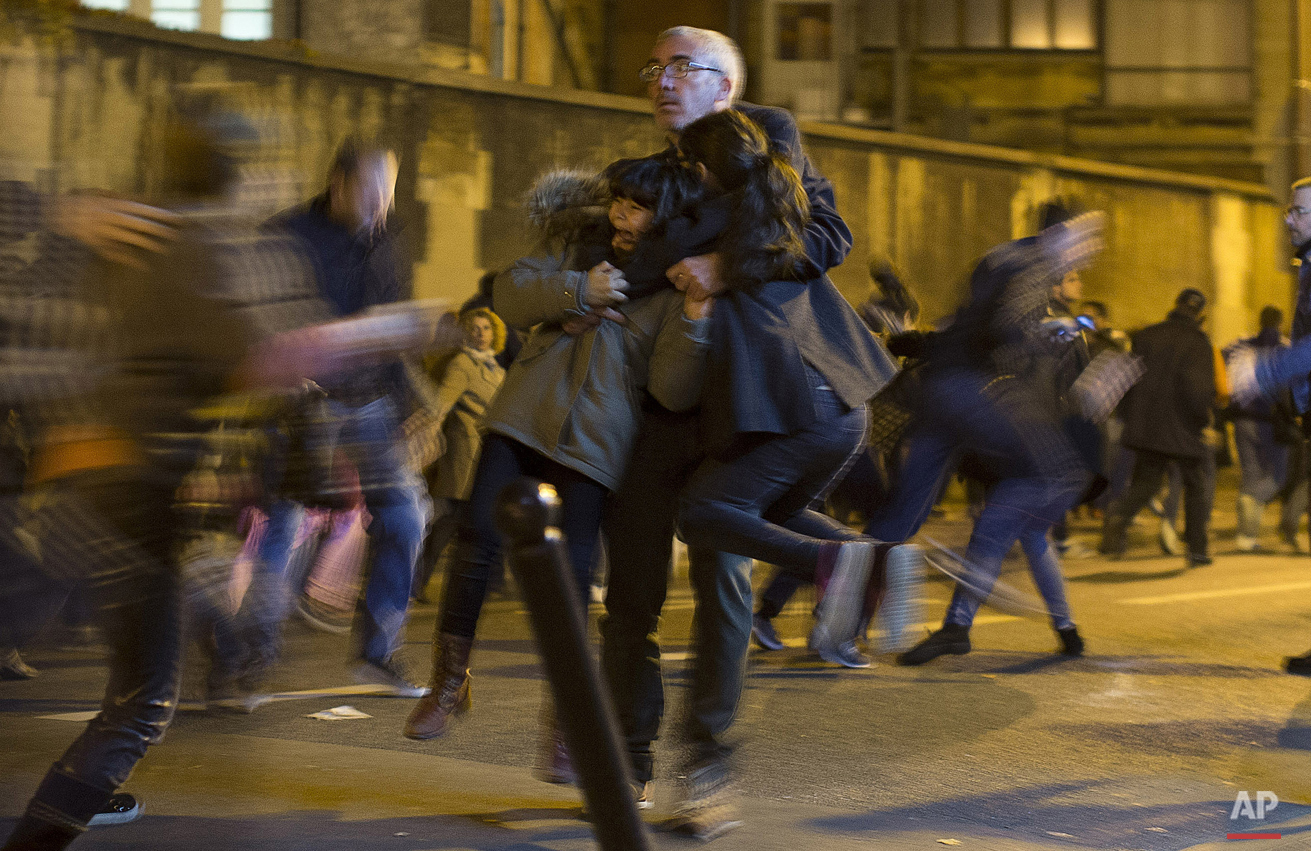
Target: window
805, 32
249, 20
176, 14
237, 19
1015, 24
1178, 52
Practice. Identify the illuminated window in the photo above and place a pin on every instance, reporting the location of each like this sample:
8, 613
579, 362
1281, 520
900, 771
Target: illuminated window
249, 20
1015, 24
176, 14
238, 19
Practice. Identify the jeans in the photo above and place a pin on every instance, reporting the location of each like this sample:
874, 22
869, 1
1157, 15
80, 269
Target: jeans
1007, 424
1044, 566
755, 500
639, 527
397, 500
478, 542
1149, 468
113, 533
1264, 461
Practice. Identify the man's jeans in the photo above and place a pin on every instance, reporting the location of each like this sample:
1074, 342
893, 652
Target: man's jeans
396, 499
639, 529
1044, 566
1264, 461
1008, 425
113, 534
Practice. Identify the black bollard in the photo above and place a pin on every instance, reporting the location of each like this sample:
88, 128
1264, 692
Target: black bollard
528, 514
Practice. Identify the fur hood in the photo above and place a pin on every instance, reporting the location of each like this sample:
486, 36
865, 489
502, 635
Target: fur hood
565, 203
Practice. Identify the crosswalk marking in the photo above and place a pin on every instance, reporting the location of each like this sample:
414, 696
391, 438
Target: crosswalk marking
1216, 594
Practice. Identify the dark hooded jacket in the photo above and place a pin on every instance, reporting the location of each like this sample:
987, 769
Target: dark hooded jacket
1170, 406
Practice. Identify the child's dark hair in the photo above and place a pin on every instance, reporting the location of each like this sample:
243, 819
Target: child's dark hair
763, 242
659, 183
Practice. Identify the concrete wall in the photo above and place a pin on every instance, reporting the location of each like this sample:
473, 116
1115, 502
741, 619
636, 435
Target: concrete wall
471, 147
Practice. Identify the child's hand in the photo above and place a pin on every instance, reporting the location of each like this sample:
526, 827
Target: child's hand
697, 307
605, 286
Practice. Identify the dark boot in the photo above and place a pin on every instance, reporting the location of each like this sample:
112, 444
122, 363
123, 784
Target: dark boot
952, 639
1071, 641
57, 814
450, 689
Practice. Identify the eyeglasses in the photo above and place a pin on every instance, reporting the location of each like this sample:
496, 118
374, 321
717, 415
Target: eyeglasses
1295, 211
678, 69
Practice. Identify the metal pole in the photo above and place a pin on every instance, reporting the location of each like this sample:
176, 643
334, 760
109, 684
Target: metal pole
528, 514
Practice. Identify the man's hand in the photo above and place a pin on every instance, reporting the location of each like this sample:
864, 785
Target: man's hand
576, 325
117, 229
605, 286
700, 277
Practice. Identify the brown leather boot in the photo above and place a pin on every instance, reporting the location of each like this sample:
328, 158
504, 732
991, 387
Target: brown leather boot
450, 689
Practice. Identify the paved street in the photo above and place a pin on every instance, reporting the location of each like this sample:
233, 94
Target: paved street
1143, 745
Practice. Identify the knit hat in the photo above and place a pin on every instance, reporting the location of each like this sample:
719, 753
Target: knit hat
1191, 301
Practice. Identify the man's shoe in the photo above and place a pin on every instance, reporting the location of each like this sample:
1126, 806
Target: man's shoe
389, 672
845, 654
121, 809
1071, 641
12, 667
762, 630
1074, 550
1169, 539
1199, 560
709, 809
952, 639
1300, 665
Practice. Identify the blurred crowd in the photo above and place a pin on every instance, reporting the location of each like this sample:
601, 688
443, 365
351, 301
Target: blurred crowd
222, 415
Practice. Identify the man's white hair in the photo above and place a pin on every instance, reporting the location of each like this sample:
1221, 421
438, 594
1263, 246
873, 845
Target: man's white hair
717, 50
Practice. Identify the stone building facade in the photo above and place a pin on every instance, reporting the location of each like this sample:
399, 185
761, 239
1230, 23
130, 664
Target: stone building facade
471, 146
